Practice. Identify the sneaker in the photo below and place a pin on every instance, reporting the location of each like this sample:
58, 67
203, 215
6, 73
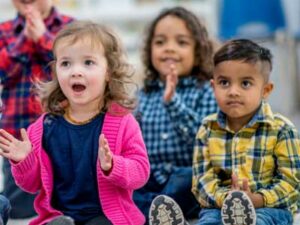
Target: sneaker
62, 220
238, 209
165, 211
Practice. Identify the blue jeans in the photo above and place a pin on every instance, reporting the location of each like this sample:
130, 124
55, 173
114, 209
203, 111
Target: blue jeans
4, 209
177, 187
264, 216
21, 202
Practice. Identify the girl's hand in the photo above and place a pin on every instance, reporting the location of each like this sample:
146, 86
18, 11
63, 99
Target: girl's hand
12, 148
35, 26
171, 82
104, 154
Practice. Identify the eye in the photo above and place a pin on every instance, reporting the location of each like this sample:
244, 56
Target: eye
246, 84
89, 62
158, 42
64, 63
224, 83
183, 42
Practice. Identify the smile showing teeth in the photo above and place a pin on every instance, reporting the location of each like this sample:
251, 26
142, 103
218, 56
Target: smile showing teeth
78, 87
169, 61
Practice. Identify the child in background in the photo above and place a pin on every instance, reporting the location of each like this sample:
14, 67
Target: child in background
25, 52
87, 147
175, 97
4, 202
246, 167
4, 210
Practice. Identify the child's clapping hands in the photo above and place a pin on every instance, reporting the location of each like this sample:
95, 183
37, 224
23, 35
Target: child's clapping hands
104, 154
171, 82
35, 26
256, 198
12, 148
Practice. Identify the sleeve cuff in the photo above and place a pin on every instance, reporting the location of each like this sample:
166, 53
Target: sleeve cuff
220, 197
25, 165
174, 101
267, 196
46, 41
116, 173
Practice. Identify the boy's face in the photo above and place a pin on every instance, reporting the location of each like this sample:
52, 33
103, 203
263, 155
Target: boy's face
42, 6
239, 88
172, 44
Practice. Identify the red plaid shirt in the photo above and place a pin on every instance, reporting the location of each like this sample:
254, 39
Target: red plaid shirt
21, 62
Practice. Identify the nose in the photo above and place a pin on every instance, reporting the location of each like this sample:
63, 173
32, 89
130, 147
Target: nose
76, 74
76, 71
234, 91
170, 46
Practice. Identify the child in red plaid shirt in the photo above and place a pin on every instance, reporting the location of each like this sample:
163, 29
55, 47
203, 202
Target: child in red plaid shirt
25, 52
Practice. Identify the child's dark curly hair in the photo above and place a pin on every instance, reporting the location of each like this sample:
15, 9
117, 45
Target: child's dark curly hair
203, 48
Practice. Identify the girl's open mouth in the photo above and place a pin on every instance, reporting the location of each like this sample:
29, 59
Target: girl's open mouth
78, 87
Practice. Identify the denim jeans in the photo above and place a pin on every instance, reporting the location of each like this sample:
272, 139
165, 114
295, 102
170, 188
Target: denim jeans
177, 187
4, 209
264, 216
21, 202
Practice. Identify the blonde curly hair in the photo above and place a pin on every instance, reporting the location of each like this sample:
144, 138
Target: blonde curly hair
51, 96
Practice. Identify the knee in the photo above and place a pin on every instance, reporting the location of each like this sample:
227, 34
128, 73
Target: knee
4, 203
180, 182
263, 219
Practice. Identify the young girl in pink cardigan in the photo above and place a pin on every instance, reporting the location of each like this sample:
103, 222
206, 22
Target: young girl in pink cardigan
86, 155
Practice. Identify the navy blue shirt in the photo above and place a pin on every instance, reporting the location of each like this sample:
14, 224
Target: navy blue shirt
73, 151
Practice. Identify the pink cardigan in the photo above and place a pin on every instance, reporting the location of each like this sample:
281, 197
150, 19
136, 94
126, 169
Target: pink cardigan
130, 171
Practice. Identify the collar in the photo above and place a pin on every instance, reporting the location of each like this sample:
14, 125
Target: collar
263, 115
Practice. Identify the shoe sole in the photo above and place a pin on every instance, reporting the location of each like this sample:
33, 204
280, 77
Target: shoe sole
238, 209
62, 220
165, 211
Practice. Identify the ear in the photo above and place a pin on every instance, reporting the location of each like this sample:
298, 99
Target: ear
107, 76
212, 84
268, 88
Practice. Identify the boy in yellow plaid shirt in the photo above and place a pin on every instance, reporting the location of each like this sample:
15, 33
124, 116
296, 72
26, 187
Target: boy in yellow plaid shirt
246, 167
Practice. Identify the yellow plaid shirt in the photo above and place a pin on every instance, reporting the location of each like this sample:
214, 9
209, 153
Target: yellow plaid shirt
266, 152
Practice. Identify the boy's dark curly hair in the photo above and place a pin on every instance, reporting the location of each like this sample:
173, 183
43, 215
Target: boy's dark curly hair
244, 50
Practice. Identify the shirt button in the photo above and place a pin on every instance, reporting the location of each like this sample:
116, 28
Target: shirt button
164, 136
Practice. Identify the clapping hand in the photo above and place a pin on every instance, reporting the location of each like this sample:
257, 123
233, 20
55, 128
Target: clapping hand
256, 198
171, 82
35, 26
104, 154
12, 148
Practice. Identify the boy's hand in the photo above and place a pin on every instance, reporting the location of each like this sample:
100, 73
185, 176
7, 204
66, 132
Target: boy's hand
171, 82
12, 148
257, 199
235, 182
35, 26
104, 154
